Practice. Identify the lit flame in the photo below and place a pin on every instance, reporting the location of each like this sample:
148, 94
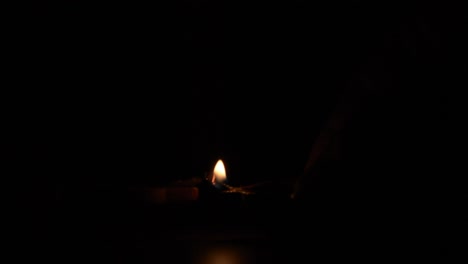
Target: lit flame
219, 173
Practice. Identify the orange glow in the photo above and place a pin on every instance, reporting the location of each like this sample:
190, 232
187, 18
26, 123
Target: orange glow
222, 255
219, 173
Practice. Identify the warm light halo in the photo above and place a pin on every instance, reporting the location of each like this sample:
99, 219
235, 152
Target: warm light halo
219, 173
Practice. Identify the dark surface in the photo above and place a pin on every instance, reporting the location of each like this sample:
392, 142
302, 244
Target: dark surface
261, 233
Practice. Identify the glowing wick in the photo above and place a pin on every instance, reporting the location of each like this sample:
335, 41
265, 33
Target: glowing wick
219, 173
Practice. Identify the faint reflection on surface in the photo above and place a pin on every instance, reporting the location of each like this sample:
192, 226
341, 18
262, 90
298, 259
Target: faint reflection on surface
223, 255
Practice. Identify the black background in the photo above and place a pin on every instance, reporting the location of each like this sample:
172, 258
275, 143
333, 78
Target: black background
110, 95
154, 87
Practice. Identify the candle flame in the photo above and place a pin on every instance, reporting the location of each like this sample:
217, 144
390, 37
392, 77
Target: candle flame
219, 173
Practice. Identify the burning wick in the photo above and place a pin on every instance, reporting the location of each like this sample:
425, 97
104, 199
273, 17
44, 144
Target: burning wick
219, 173
219, 177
